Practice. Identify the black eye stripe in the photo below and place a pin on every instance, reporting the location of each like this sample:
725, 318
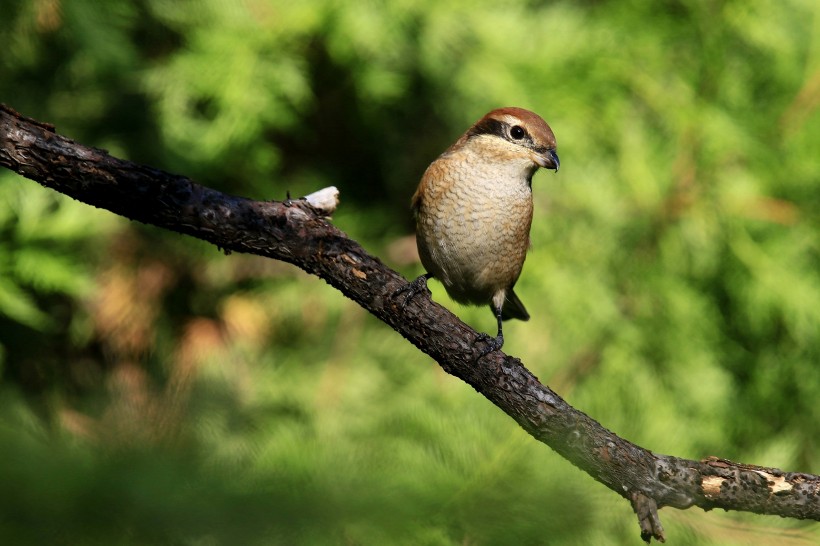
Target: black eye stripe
488, 126
501, 129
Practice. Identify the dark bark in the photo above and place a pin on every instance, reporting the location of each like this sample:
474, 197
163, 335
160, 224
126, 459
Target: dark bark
296, 232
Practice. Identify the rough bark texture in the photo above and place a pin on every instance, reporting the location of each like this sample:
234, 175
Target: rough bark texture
295, 232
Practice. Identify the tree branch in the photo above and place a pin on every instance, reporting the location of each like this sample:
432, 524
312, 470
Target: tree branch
298, 233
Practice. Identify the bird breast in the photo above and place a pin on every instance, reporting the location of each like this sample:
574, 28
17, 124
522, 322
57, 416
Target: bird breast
473, 221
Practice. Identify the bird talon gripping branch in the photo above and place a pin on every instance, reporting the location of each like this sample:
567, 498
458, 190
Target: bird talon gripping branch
419, 284
473, 210
491, 343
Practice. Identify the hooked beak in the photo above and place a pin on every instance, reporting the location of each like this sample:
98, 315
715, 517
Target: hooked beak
547, 160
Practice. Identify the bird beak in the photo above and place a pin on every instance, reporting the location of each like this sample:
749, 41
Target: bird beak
547, 160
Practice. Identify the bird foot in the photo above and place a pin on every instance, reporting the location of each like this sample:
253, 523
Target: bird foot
492, 343
412, 288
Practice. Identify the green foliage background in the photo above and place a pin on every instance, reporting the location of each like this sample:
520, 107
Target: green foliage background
155, 391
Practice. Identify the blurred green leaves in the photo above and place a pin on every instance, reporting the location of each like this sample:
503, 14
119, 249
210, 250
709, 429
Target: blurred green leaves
41, 235
205, 399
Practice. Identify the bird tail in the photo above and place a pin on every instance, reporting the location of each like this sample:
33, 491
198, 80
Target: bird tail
513, 308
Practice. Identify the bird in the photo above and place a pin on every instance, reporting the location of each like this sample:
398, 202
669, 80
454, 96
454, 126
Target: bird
473, 211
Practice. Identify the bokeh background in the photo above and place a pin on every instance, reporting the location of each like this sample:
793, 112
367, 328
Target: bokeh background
156, 391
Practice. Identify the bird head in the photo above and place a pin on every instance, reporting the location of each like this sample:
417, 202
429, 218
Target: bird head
513, 135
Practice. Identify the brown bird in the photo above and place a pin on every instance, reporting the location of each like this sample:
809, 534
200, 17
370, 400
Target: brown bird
473, 211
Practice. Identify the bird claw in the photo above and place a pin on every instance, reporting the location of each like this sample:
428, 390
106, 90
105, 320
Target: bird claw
492, 343
419, 284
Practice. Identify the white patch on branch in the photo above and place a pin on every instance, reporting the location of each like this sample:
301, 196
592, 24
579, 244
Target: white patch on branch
325, 200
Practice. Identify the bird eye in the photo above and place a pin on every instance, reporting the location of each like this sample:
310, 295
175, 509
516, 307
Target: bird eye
517, 132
